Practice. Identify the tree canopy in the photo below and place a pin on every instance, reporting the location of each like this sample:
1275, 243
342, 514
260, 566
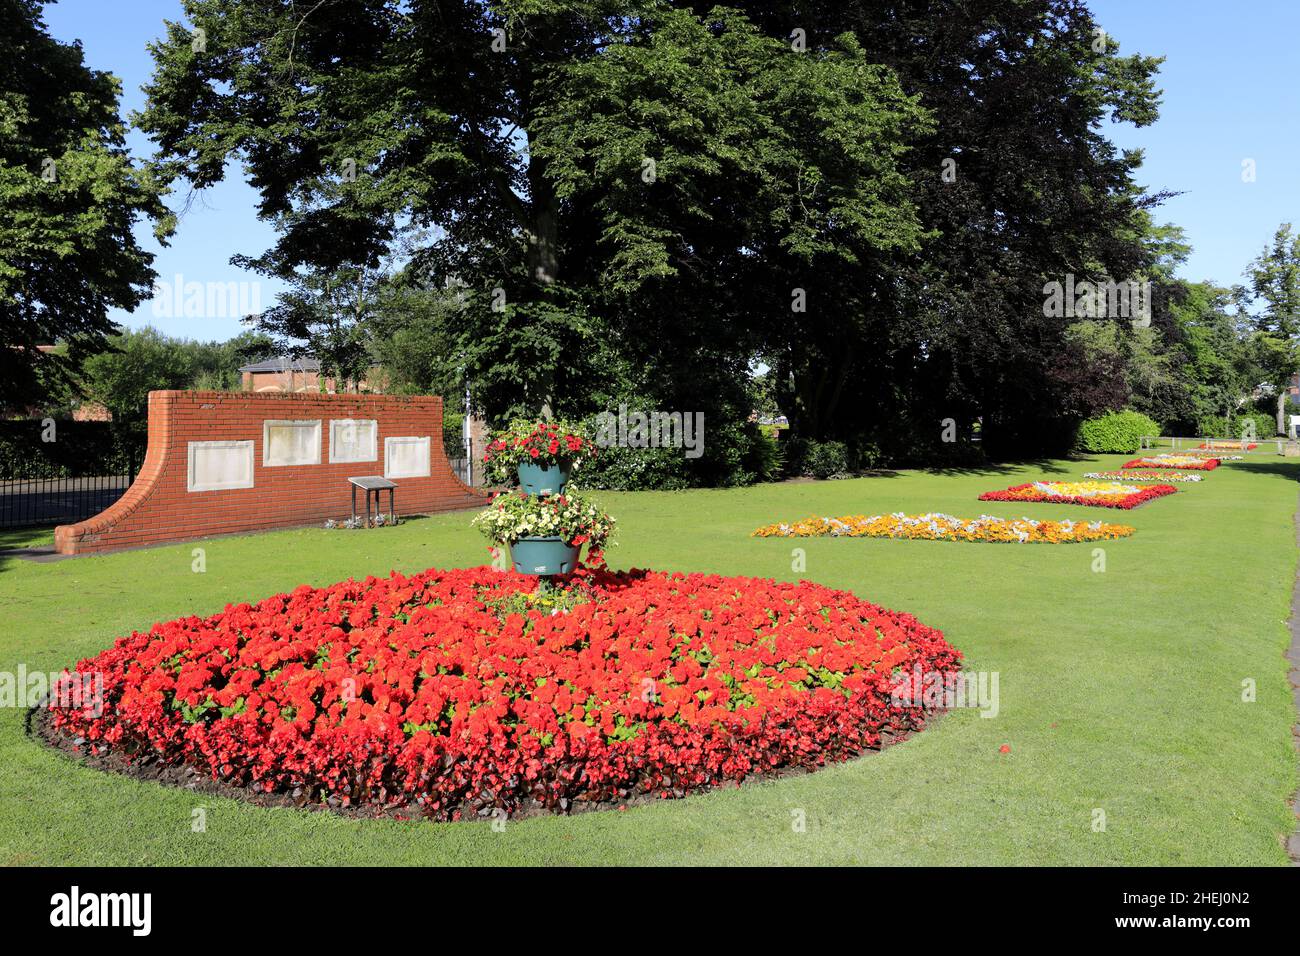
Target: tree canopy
69, 199
644, 199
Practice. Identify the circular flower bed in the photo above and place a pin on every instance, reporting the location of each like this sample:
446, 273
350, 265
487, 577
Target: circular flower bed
942, 527
450, 693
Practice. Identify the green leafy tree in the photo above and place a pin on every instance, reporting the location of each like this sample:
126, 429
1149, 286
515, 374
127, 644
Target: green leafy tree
326, 313
618, 186
69, 199
1274, 278
215, 365
135, 364
1221, 359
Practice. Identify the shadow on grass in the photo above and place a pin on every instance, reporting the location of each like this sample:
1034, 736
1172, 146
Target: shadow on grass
1282, 469
37, 543
1048, 465
15, 542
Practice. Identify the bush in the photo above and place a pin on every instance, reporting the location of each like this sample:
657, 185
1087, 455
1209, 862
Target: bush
765, 458
731, 452
1212, 426
79, 448
1115, 432
635, 469
825, 459
1265, 426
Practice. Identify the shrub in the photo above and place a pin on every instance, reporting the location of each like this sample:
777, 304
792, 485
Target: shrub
1212, 426
765, 458
825, 459
435, 692
636, 469
1115, 432
1265, 426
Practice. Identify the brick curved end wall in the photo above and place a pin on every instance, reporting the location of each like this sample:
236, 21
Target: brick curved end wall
159, 506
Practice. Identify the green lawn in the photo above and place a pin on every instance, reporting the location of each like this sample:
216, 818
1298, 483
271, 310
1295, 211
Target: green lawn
1120, 691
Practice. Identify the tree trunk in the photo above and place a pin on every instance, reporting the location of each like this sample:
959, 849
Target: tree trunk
1282, 395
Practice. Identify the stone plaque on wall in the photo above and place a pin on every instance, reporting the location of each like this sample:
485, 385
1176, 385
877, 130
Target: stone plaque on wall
290, 443
219, 465
354, 439
406, 457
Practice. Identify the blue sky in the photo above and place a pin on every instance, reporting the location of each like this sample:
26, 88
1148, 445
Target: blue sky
1229, 96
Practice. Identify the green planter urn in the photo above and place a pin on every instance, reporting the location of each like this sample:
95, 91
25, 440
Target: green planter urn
544, 479
544, 556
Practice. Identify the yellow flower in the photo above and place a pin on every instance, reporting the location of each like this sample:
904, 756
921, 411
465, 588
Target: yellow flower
942, 527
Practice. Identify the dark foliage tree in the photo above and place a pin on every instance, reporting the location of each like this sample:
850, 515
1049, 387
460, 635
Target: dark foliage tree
69, 198
1016, 185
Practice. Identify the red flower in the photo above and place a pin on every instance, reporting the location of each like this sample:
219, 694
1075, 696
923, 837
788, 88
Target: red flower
418, 691
1027, 492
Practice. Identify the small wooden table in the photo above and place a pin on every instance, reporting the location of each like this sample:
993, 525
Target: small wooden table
372, 484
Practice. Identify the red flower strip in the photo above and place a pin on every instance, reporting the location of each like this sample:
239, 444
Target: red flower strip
1027, 492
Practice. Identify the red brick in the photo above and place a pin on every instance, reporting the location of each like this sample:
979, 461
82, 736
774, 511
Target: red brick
157, 507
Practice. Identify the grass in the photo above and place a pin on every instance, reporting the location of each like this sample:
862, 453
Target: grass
1121, 691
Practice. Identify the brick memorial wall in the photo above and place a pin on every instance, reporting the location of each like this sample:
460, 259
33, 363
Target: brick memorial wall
227, 462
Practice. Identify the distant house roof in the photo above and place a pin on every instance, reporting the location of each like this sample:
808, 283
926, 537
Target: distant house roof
283, 364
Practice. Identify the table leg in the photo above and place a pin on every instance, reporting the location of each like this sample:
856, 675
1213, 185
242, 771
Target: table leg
354, 504
392, 515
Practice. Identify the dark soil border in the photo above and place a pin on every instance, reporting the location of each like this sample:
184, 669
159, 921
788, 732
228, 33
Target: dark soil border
152, 769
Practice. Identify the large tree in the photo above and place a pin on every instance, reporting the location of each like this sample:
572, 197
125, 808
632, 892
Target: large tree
1017, 185
69, 199
1274, 278
621, 187
642, 197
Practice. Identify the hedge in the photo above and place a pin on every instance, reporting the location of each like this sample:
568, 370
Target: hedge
1115, 432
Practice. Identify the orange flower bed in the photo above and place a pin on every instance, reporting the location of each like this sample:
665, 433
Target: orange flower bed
942, 527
